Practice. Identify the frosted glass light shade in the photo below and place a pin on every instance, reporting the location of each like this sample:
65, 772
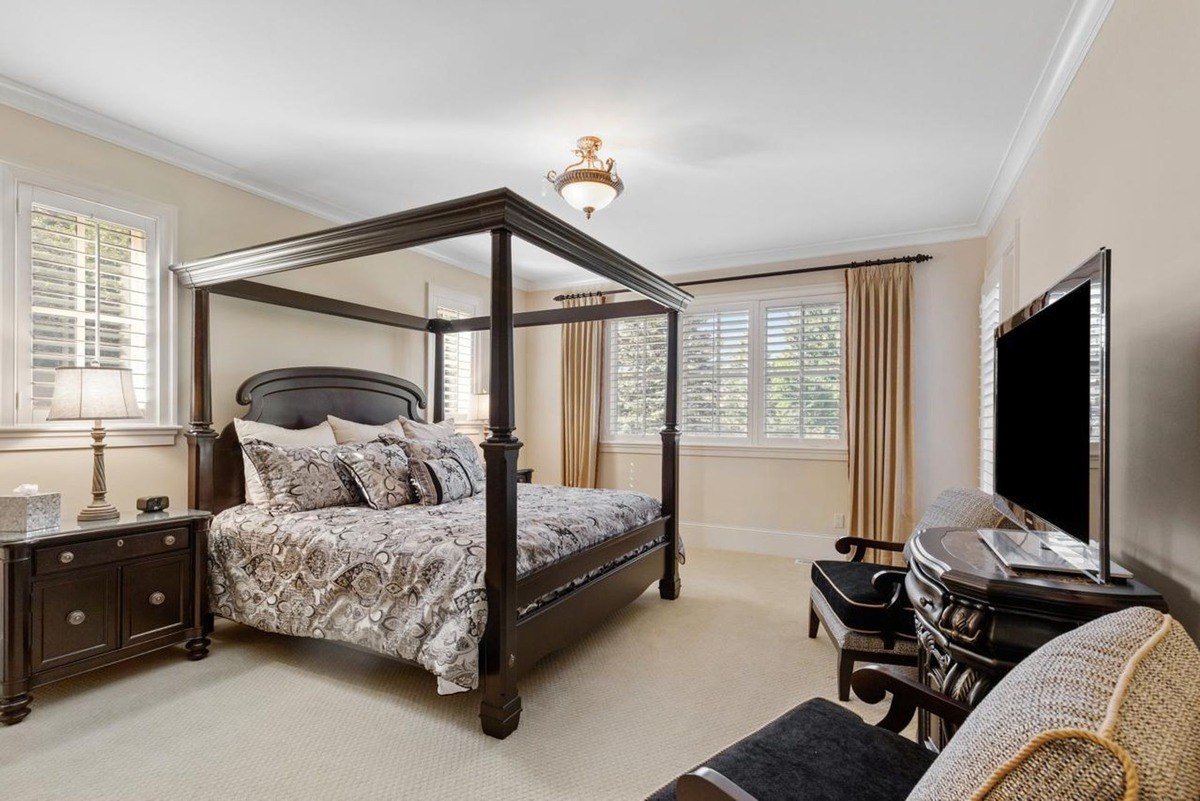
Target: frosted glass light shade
93, 393
592, 195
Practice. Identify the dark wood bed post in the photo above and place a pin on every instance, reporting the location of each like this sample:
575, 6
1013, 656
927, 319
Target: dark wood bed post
439, 372
500, 710
201, 439
670, 584
200, 434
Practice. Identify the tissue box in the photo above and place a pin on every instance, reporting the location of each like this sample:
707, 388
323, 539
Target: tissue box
30, 512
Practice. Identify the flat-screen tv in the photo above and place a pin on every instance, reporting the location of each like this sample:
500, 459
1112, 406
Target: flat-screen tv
1051, 410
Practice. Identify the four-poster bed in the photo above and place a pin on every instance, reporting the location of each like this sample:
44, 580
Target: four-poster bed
588, 584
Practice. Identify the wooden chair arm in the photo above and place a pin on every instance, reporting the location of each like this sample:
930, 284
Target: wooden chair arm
872, 682
889, 582
706, 784
860, 545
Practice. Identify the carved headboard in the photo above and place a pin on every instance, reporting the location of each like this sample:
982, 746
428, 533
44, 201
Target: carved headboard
301, 397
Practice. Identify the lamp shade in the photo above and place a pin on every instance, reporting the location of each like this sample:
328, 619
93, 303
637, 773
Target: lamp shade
93, 393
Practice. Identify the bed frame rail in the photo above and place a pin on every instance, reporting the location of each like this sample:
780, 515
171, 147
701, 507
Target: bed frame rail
564, 571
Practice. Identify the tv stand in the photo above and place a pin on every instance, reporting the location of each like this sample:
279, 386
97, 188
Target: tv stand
1048, 552
976, 619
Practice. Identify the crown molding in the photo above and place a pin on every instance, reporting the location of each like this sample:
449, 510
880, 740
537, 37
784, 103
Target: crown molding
78, 118
1074, 41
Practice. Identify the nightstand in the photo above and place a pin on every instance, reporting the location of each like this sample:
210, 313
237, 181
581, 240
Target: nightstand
524, 475
85, 595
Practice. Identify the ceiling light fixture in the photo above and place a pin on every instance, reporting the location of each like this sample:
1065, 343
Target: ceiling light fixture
589, 184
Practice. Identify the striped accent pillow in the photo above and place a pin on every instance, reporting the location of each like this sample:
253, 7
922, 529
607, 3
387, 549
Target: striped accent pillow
442, 480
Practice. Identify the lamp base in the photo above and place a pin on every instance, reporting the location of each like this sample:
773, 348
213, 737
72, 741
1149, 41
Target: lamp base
98, 511
99, 508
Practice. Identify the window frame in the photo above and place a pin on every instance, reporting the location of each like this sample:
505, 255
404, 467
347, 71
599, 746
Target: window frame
469, 305
19, 188
756, 444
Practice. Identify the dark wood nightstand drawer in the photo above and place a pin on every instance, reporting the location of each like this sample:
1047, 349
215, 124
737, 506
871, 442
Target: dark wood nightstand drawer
155, 598
74, 617
109, 549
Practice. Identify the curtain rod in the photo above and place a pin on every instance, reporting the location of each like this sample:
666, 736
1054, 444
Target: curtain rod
850, 265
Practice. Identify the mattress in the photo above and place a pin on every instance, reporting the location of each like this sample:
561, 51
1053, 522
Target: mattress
405, 582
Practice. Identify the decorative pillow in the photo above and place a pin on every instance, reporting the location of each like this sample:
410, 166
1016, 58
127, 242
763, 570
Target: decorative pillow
320, 434
427, 432
459, 447
440, 480
300, 478
349, 431
381, 472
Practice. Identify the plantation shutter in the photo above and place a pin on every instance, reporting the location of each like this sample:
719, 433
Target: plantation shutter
715, 373
989, 319
89, 301
802, 370
457, 371
636, 375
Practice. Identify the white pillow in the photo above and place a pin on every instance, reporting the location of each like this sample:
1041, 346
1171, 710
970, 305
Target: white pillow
349, 431
320, 434
427, 432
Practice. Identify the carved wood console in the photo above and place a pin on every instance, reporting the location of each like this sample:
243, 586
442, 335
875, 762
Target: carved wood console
976, 619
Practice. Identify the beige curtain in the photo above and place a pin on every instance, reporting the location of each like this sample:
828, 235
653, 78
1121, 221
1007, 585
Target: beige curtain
879, 311
582, 353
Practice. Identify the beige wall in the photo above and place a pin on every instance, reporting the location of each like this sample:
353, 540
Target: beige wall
787, 506
247, 337
1119, 165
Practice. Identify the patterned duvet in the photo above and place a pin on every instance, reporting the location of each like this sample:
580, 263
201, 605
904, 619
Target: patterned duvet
407, 582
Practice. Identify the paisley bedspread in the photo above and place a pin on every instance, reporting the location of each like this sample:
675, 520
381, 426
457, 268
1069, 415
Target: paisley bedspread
406, 582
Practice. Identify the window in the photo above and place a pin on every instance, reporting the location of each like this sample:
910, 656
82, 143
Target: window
465, 370
753, 372
989, 319
714, 374
86, 284
636, 378
802, 370
457, 371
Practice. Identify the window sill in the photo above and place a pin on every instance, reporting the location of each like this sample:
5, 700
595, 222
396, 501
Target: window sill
50, 438
733, 451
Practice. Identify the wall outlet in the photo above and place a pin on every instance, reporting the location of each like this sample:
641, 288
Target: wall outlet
839, 520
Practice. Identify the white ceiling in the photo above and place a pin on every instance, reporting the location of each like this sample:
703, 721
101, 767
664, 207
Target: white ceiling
745, 131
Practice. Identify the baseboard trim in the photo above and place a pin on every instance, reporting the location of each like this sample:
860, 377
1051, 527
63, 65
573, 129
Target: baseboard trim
803, 545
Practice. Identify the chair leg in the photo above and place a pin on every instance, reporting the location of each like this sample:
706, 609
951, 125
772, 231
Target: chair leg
845, 668
814, 622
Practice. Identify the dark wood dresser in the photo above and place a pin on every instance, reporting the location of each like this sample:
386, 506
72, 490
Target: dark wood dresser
976, 619
86, 595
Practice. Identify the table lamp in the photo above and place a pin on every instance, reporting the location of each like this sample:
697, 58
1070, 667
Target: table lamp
95, 393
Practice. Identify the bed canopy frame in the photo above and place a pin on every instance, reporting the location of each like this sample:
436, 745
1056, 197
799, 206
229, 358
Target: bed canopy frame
511, 644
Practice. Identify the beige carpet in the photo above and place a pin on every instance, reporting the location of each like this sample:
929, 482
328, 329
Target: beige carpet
654, 691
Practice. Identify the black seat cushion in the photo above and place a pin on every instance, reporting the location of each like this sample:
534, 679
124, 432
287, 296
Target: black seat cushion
820, 751
846, 586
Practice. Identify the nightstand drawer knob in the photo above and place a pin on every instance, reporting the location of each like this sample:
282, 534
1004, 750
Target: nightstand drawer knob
120, 543
76, 618
157, 599
169, 539
66, 557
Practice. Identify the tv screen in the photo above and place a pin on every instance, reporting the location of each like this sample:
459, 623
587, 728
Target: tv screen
1044, 415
